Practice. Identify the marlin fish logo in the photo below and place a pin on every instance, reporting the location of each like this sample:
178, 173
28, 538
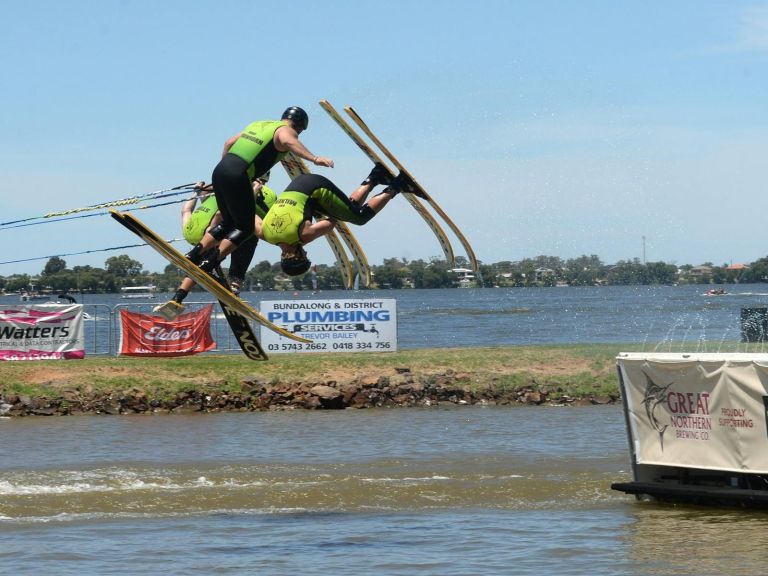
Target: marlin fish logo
655, 395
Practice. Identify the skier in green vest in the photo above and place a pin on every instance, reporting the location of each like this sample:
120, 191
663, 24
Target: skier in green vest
197, 220
306, 210
247, 155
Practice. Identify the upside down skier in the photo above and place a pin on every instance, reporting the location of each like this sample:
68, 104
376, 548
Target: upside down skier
310, 204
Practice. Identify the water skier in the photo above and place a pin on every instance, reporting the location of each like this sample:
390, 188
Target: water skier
289, 223
196, 220
247, 155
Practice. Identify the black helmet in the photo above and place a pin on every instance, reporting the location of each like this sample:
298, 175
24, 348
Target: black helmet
299, 117
296, 263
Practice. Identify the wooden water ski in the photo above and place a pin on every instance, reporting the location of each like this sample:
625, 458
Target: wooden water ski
435, 206
240, 325
296, 166
198, 275
442, 238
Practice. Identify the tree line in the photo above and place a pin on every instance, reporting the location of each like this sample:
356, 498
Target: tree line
120, 271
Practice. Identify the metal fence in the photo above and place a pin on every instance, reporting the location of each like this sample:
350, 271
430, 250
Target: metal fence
103, 330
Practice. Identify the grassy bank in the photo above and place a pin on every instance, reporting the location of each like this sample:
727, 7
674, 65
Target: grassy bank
576, 371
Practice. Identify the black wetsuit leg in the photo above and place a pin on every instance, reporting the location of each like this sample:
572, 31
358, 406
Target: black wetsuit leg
234, 194
328, 199
241, 258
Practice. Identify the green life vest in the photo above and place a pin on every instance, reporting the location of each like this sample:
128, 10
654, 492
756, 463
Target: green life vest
284, 219
200, 219
256, 146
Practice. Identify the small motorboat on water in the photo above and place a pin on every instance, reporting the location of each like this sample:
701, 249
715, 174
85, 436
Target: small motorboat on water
25, 296
716, 292
69, 299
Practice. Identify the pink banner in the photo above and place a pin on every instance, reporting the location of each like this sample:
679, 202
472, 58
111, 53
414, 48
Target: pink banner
42, 332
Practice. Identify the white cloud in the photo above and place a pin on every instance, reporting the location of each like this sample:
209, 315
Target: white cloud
750, 34
753, 34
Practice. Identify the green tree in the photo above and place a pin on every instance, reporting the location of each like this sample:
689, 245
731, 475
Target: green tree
527, 270
757, 271
54, 266
415, 272
329, 277
390, 274
485, 278
551, 262
123, 266
90, 279
584, 270
629, 272
261, 276
300, 282
433, 275
661, 273
625, 272
64, 281
462, 262
168, 280
17, 282
504, 267
719, 275
387, 277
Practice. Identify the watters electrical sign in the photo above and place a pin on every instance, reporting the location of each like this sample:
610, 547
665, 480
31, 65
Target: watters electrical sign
42, 332
368, 325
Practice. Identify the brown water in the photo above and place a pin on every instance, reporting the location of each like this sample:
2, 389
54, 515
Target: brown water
459, 490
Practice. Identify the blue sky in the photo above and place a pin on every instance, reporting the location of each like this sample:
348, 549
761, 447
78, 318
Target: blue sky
559, 128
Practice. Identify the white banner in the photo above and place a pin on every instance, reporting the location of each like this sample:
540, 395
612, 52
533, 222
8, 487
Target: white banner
368, 325
698, 410
42, 332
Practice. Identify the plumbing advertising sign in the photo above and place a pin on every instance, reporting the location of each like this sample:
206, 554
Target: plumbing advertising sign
368, 325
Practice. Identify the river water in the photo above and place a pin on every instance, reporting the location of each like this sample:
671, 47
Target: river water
440, 490
650, 318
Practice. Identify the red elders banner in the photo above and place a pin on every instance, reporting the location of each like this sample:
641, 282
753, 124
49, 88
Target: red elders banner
149, 335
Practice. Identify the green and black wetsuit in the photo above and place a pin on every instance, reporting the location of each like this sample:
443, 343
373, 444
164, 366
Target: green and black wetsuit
306, 196
200, 220
252, 155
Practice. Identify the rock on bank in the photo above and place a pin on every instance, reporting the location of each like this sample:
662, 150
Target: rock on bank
400, 387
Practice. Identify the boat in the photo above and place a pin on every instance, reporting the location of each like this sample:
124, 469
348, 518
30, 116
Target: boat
29, 296
716, 292
69, 299
135, 292
465, 276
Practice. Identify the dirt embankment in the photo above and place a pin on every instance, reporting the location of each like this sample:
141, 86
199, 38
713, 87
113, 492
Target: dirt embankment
125, 387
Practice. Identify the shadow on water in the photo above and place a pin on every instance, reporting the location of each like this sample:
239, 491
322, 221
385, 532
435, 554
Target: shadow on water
663, 539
